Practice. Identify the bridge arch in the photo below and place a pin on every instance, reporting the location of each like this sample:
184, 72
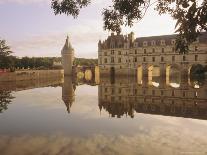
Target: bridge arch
153, 71
173, 75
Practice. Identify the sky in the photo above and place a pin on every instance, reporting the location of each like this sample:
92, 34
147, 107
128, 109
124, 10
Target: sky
31, 28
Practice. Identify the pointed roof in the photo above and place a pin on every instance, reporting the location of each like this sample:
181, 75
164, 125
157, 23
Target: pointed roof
67, 48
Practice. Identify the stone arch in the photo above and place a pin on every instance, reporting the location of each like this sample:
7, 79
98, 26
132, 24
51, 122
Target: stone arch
193, 68
173, 75
153, 71
139, 74
97, 75
196, 80
88, 75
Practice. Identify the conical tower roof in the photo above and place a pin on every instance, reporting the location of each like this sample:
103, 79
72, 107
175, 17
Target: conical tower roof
67, 47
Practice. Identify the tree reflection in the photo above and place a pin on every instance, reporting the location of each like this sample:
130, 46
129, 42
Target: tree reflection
5, 99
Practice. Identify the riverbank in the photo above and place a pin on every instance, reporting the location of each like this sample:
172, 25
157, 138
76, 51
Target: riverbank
30, 75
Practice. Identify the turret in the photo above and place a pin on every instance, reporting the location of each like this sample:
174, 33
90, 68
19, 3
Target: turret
99, 45
68, 92
67, 57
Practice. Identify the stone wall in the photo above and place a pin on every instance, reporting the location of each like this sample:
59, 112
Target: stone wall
30, 75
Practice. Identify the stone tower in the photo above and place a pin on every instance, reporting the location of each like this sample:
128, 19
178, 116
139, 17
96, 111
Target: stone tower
68, 92
67, 57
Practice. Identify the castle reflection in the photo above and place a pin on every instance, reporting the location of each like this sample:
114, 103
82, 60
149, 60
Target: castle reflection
68, 92
178, 96
125, 96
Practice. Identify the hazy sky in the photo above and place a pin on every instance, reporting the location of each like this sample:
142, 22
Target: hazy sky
31, 28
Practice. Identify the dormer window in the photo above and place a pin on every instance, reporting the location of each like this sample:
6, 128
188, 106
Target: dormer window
153, 43
173, 41
162, 42
145, 43
135, 44
196, 48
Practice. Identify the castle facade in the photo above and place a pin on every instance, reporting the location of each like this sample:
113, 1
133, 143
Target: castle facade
127, 55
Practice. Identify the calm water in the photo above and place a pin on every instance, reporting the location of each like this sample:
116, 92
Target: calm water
106, 116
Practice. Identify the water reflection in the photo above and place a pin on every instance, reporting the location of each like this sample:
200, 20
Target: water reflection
36, 122
5, 99
123, 96
68, 92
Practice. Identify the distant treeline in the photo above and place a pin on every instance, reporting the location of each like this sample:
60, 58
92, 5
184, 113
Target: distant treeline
13, 63
85, 62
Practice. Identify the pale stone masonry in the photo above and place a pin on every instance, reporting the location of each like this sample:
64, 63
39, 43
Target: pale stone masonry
67, 57
127, 55
125, 96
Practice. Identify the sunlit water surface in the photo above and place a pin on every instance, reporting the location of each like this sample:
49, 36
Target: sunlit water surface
66, 118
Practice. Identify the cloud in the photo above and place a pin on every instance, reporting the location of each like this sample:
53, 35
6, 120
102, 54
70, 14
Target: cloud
162, 140
84, 39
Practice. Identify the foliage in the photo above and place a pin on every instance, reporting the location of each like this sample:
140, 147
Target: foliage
197, 69
191, 15
85, 62
6, 60
35, 62
5, 99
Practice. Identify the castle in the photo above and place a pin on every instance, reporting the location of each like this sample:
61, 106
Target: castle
127, 55
67, 57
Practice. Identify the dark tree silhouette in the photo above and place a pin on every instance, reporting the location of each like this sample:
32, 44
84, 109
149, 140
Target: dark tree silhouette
6, 60
5, 99
191, 15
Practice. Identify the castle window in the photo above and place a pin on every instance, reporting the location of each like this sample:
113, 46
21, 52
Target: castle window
196, 48
143, 92
112, 52
173, 42
112, 59
135, 52
145, 43
106, 90
119, 60
163, 50
173, 58
162, 59
119, 90
105, 60
196, 57
153, 59
162, 42
112, 90
135, 91
173, 93
119, 52
135, 59
105, 53
184, 58
162, 92
144, 59
153, 43
153, 92
145, 51
173, 49
183, 94
195, 94
153, 50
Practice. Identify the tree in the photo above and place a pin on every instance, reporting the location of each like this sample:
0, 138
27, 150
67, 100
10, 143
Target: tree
191, 15
5, 99
6, 60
